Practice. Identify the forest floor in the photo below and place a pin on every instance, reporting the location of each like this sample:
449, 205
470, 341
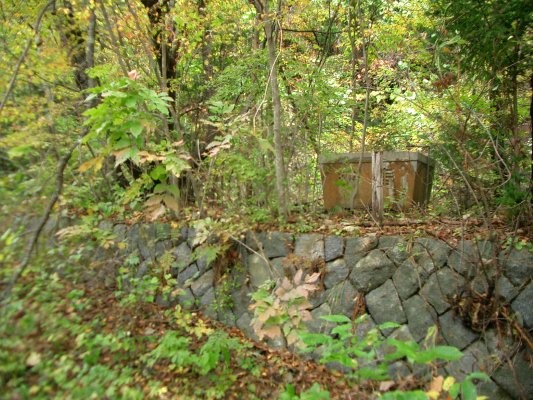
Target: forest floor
65, 340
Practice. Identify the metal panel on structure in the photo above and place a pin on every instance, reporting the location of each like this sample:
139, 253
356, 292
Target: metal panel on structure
407, 179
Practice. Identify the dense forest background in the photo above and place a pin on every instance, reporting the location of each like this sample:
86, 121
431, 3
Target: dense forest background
158, 106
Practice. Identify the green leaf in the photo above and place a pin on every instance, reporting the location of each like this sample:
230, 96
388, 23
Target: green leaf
454, 390
158, 173
403, 349
388, 325
447, 353
315, 339
161, 188
135, 128
411, 395
131, 102
468, 390
336, 318
478, 375
114, 93
344, 331
315, 392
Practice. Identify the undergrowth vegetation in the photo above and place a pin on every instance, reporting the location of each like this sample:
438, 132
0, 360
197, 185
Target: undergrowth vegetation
65, 334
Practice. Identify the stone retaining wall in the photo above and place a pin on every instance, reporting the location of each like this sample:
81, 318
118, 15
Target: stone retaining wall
409, 281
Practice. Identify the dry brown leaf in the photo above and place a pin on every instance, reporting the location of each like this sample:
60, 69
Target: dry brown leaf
313, 278
385, 386
436, 384
273, 332
156, 213
298, 277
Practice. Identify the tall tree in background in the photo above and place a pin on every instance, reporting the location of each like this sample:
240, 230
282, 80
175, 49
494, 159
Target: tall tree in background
494, 47
271, 28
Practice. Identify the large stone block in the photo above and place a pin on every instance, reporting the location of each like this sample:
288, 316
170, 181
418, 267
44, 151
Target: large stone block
120, 232
335, 272
187, 274
272, 244
394, 247
371, 271
430, 254
333, 247
492, 391
454, 331
420, 316
516, 380
317, 324
523, 305
402, 334
475, 358
505, 289
140, 239
408, 278
384, 304
162, 247
201, 285
244, 323
278, 267
241, 300
440, 286
341, 298
470, 256
184, 297
259, 270
209, 304
183, 256
203, 261
358, 247
517, 265
310, 246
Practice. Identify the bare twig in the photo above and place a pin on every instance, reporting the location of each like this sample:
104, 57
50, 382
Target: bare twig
89, 62
44, 219
24, 54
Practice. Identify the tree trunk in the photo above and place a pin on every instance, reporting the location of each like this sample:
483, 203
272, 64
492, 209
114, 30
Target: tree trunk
270, 33
531, 123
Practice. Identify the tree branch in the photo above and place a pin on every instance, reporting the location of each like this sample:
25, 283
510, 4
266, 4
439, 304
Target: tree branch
44, 219
89, 63
24, 54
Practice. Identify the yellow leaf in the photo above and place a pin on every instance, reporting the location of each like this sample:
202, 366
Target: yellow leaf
33, 359
433, 394
448, 383
95, 163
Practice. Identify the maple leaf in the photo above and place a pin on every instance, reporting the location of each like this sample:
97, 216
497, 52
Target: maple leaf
272, 332
313, 278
